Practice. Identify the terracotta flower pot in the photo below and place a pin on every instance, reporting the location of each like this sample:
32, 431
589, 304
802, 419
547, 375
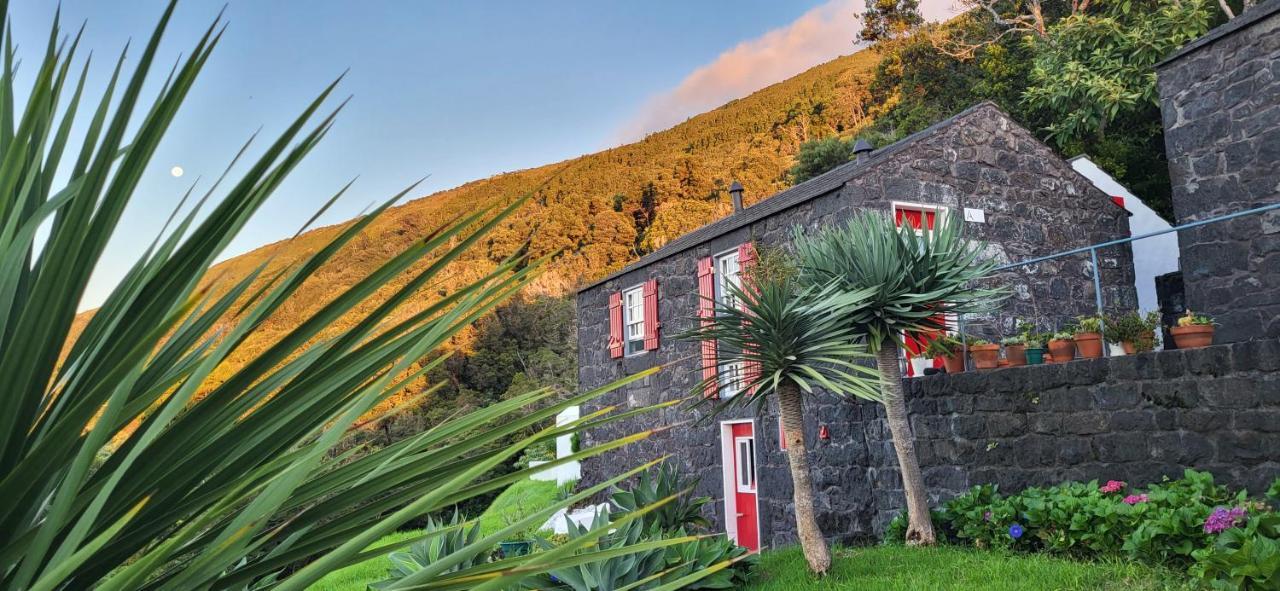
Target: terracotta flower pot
985, 356
1193, 336
1035, 356
1002, 363
1062, 350
954, 363
1089, 344
1016, 355
1147, 342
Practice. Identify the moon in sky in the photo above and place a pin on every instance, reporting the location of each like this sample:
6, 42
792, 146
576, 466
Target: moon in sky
176, 171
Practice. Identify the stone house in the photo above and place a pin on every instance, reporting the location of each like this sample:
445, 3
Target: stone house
1011, 191
1220, 101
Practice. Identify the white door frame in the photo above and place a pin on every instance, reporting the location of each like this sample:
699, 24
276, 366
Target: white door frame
729, 477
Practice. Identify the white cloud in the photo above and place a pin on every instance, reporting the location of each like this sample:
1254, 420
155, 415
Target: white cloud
819, 35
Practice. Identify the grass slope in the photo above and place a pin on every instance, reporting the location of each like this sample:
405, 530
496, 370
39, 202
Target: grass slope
899, 568
518, 501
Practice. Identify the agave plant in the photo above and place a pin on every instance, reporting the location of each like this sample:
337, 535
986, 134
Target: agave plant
441, 539
795, 340
907, 281
123, 465
684, 511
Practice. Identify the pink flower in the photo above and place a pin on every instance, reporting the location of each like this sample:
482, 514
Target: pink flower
1135, 499
1112, 486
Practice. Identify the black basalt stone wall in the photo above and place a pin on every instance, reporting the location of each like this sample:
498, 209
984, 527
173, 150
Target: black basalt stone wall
1220, 99
1135, 418
1035, 204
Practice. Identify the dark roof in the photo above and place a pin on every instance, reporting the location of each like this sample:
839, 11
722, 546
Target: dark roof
814, 187
1248, 17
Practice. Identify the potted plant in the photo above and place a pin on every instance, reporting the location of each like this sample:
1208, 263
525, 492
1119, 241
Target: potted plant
1088, 336
985, 354
1015, 350
950, 350
1193, 331
1062, 346
1035, 349
1135, 332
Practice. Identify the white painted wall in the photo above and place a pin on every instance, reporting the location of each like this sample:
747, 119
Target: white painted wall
564, 447
1151, 256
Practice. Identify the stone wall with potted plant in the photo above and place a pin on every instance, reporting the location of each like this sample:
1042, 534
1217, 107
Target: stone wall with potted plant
1135, 332
1193, 331
1088, 336
1062, 346
1015, 350
985, 354
950, 349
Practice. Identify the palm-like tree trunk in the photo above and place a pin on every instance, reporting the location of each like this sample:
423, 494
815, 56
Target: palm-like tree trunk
811, 541
919, 524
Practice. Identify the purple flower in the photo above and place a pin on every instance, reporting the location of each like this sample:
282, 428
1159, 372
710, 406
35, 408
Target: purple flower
1135, 499
1015, 531
1223, 519
986, 516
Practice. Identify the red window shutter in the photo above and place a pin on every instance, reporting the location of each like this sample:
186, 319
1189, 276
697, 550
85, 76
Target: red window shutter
746, 263
929, 215
707, 313
651, 323
615, 324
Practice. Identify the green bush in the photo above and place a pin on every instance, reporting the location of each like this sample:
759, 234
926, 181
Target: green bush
1190, 523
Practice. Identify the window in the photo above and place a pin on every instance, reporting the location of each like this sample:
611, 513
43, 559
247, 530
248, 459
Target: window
746, 456
633, 319
727, 275
917, 216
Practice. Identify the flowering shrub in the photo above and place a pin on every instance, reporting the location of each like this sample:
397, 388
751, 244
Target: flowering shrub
1191, 523
1223, 519
1135, 499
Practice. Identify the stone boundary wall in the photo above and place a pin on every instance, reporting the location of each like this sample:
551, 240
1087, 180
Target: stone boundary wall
1135, 418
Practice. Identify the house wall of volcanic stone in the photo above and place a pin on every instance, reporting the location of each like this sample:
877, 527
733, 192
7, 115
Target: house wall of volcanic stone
1035, 204
1221, 107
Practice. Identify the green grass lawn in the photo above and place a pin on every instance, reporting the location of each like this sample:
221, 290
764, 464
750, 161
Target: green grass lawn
885, 568
519, 500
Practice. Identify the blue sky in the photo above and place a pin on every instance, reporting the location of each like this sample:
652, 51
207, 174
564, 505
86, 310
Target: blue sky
458, 90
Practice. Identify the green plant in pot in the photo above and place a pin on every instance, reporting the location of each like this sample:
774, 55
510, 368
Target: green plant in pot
1088, 336
985, 354
1193, 331
1062, 346
1135, 332
1015, 350
1035, 349
950, 349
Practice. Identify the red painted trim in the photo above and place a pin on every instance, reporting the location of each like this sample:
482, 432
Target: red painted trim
615, 325
707, 314
651, 323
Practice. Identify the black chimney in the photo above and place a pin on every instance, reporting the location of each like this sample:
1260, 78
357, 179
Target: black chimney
861, 148
735, 193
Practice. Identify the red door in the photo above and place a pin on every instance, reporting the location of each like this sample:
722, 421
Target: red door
744, 486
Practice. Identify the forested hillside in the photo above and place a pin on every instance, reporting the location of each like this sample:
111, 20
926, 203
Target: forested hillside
604, 209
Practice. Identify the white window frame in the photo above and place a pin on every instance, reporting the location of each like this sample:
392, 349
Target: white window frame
729, 375
632, 318
940, 213
745, 454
